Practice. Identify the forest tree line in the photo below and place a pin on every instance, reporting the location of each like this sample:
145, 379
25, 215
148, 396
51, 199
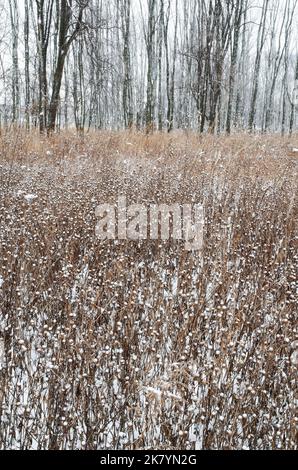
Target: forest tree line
214, 66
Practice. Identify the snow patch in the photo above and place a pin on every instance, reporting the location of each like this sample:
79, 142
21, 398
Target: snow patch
30, 197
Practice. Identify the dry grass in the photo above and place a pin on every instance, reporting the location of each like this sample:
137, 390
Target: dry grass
134, 345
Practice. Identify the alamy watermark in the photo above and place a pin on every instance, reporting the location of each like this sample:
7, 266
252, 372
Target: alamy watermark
142, 222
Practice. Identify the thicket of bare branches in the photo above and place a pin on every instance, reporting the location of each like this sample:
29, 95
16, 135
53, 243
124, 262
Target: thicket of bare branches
215, 65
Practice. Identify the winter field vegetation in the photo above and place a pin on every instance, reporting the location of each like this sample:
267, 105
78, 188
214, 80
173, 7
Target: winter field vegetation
142, 344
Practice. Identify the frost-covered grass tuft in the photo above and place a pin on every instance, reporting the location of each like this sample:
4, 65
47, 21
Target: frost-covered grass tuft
144, 345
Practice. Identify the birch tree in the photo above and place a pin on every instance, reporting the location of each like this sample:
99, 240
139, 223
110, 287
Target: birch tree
14, 19
255, 80
150, 42
235, 46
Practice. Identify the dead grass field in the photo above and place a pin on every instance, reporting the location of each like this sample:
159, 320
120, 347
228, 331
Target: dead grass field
144, 345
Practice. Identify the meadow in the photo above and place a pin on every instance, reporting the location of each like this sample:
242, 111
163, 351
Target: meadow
111, 344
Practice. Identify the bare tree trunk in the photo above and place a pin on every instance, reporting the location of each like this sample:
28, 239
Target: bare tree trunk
66, 38
44, 19
150, 57
166, 18
170, 117
294, 101
14, 21
282, 47
160, 56
221, 17
255, 81
127, 87
66, 101
79, 100
236, 27
27, 70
